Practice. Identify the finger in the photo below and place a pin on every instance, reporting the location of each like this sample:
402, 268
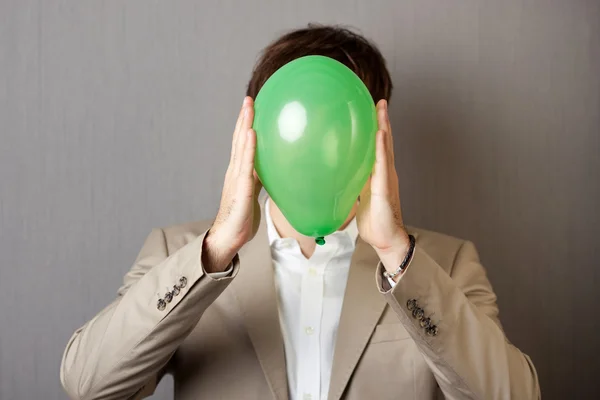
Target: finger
381, 168
240, 144
383, 120
245, 103
238, 125
381, 154
382, 116
244, 127
249, 115
247, 162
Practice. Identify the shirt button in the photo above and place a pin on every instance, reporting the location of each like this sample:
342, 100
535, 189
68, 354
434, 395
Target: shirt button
312, 271
309, 330
307, 396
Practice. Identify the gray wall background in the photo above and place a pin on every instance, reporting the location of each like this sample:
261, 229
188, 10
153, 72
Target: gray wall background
116, 116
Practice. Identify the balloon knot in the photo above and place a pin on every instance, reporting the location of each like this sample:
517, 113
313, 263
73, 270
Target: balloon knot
320, 240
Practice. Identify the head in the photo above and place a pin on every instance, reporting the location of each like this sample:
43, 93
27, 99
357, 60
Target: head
342, 44
351, 49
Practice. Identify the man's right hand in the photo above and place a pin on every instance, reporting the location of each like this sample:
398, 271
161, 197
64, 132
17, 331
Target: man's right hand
239, 212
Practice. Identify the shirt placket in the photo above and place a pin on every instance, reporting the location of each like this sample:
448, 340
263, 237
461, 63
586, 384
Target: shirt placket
311, 306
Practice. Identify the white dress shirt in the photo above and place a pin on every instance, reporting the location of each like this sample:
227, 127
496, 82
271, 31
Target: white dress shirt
310, 294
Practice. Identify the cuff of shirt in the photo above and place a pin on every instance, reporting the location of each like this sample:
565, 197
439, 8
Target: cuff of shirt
218, 275
391, 282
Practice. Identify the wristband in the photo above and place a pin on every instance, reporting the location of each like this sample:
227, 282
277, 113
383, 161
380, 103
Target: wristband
404, 264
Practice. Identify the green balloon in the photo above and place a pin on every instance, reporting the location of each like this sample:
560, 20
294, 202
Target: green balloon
315, 124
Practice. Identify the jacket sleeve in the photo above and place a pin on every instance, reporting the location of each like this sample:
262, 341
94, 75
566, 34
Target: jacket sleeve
122, 352
466, 350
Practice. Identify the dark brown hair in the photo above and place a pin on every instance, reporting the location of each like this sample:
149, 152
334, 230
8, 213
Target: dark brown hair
342, 44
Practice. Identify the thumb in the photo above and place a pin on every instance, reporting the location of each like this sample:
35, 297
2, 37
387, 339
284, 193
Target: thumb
257, 183
365, 193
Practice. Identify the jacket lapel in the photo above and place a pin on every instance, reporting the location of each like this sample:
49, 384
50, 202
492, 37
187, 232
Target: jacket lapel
254, 288
362, 308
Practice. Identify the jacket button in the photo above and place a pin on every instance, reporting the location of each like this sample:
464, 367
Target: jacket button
176, 290
182, 282
432, 330
411, 304
418, 313
168, 297
161, 304
425, 323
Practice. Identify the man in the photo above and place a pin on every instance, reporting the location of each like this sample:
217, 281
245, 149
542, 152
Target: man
247, 308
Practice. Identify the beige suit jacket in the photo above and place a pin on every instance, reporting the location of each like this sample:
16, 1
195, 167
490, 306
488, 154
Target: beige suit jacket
221, 338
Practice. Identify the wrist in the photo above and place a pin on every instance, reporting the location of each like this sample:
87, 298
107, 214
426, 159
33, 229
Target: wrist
392, 256
216, 254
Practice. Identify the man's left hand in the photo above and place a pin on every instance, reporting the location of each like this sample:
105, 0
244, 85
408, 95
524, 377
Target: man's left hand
379, 215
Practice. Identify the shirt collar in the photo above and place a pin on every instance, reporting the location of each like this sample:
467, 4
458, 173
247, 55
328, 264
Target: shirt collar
350, 231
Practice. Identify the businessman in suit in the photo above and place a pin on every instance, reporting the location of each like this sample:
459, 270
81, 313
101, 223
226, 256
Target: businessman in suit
247, 308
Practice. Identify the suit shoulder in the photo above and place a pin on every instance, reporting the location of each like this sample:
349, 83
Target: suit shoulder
439, 246
177, 236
